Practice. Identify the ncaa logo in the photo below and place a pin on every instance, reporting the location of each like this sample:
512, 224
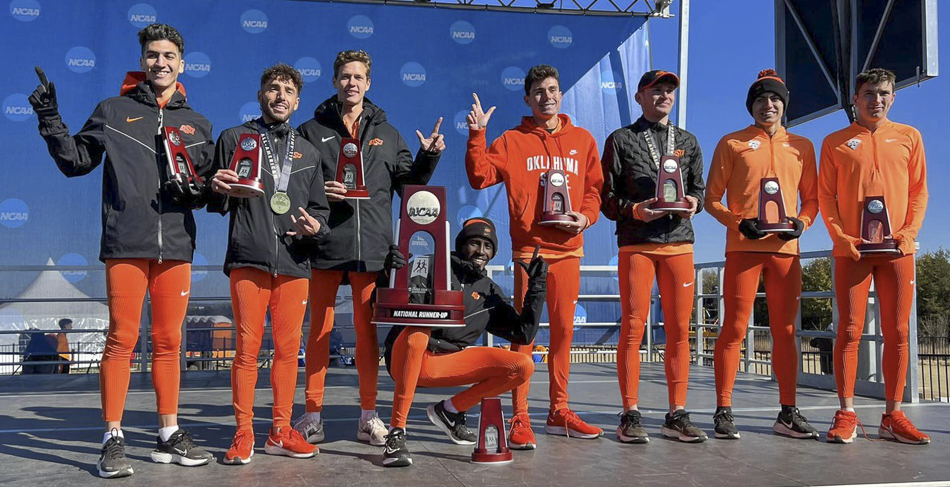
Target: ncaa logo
197, 64
466, 212
142, 15
360, 26
80, 59
423, 207
254, 21
17, 108
412, 74
309, 69
580, 315
250, 111
462, 32
513, 78
461, 122
72, 260
611, 82
198, 261
560, 37
13, 213
25, 10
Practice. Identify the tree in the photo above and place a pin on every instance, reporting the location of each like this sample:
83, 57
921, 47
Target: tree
933, 291
816, 312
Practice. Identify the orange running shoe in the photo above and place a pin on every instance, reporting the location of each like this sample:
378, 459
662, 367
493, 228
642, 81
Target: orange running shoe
897, 426
566, 422
844, 428
242, 448
288, 442
520, 436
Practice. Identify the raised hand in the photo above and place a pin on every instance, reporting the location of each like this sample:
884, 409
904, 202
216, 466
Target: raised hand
435, 143
305, 224
536, 268
477, 118
43, 99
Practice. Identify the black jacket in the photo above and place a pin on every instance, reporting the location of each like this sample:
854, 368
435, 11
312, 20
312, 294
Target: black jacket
256, 235
630, 177
486, 309
140, 220
362, 230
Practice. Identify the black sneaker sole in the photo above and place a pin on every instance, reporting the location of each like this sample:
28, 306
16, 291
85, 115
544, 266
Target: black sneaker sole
163, 457
437, 421
125, 472
631, 439
727, 436
781, 429
397, 462
672, 433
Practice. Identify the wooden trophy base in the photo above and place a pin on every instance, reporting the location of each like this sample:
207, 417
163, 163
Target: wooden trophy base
392, 308
888, 246
246, 189
551, 218
766, 227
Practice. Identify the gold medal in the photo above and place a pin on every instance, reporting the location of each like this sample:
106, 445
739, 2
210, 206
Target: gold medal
280, 203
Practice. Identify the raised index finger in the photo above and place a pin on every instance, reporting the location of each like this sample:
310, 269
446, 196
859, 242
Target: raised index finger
42, 76
438, 124
478, 104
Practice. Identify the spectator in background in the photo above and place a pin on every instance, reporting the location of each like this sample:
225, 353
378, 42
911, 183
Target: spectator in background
62, 345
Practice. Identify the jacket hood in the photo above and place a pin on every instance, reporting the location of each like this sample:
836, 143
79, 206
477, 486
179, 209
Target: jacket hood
529, 127
328, 113
136, 85
466, 271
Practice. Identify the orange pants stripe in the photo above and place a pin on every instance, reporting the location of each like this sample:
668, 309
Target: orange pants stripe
253, 292
564, 280
168, 285
893, 282
493, 371
675, 276
783, 287
323, 289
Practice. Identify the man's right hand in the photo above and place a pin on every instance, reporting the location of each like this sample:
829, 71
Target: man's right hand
335, 190
43, 98
643, 211
749, 229
537, 268
394, 259
477, 118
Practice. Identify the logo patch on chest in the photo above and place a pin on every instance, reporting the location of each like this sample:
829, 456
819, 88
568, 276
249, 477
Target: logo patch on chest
376, 141
754, 144
853, 144
187, 129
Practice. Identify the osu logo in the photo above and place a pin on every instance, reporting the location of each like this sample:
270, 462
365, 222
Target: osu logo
197, 64
412, 74
80, 59
376, 141
462, 32
513, 78
360, 26
17, 108
14, 213
560, 37
25, 10
254, 21
187, 129
142, 14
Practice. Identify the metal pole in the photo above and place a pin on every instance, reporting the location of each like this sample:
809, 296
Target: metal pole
683, 63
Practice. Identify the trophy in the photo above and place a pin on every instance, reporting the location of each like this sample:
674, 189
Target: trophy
557, 201
421, 212
492, 444
246, 162
876, 228
669, 186
772, 217
349, 169
181, 172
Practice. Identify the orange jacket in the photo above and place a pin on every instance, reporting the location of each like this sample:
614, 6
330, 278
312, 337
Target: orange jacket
519, 158
740, 162
891, 162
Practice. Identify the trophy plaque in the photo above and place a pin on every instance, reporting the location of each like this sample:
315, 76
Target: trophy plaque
422, 211
557, 201
181, 172
492, 444
349, 169
772, 216
246, 162
876, 228
669, 186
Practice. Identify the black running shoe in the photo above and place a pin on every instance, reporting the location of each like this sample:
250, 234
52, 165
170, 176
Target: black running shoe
790, 422
395, 454
630, 429
725, 424
180, 449
113, 463
679, 426
453, 424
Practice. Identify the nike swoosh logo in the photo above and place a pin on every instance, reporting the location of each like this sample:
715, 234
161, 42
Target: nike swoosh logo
688, 284
911, 283
185, 293
390, 450
787, 425
889, 140
130, 119
304, 302
181, 452
324, 139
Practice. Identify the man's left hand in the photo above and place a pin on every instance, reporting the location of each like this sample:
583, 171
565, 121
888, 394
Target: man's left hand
435, 143
306, 225
693, 205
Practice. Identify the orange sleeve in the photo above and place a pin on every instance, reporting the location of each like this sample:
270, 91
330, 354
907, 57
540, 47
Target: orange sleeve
484, 168
593, 184
827, 199
720, 170
916, 198
808, 188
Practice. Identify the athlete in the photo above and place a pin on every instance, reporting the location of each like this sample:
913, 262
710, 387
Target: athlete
521, 158
268, 258
360, 231
741, 161
444, 357
873, 157
148, 230
653, 244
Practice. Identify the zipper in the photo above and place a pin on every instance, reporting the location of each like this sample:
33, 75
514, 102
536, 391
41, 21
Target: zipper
359, 230
161, 120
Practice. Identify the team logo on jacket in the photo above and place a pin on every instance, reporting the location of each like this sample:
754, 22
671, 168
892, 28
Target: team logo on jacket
754, 144
298, 155
187, 129
423, 207
349, 150
679, 152
249, 144
853, 144
475, 295
376, 141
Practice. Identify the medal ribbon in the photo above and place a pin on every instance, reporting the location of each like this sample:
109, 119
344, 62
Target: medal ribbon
651, 144
279, 169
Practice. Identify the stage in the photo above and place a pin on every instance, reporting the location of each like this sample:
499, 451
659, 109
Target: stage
50, 430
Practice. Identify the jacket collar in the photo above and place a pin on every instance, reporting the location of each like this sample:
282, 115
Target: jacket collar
466, 272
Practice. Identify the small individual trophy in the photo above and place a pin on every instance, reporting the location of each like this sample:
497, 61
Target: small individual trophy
669, 186
876, 228
421, 212
349, 170
772, 216
492, 444
246, 162
557, 201
181, 172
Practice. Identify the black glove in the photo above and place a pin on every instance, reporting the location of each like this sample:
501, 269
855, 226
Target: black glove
747, 227
394, 259
43, 98
799, 228
536, 269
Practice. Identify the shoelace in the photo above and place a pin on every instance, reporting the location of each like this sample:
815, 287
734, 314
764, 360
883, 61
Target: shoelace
517, 420
394, 438
571, 418
726, 415
242, 437
295, 435
185, 439
629, 417
850, 422
798, 418
114, 449
683, 418
906, 425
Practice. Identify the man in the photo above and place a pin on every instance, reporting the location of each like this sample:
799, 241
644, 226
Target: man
653, 243
360, 231
62, 344
267, 259
521, 158
444, 357
873, 157
742, 159
148, 230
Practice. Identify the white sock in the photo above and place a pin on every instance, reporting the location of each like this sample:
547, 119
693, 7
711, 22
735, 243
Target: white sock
367, 414
307, 417
167, 432
850, 410
447, 404
108, 435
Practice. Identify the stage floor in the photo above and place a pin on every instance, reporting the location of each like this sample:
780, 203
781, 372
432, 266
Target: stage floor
50, 432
